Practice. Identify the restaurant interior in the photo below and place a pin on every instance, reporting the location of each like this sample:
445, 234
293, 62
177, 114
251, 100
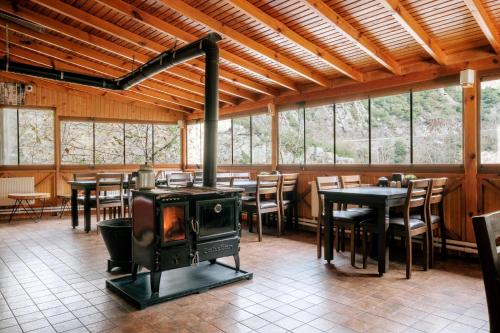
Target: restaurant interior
250, 166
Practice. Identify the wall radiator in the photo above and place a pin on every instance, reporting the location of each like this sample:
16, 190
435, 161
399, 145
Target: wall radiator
15, 185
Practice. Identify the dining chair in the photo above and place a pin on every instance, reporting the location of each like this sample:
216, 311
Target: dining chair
179, 179
85, 176
350, 218
487, 232
198, 177
436, 222
410, 225
267, 200
236, 176
109, 195
289, 198
224, 179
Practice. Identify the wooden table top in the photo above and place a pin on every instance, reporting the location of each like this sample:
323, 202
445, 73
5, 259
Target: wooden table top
28, 196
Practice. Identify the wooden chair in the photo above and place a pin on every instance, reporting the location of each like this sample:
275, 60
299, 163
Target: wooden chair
408, 226
240, 176
342, 219
179, 179
487, 232
289, 198
109, 195
435, 222
198, 177
267, 200
224, 179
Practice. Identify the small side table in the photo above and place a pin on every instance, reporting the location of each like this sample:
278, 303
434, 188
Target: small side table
23, 200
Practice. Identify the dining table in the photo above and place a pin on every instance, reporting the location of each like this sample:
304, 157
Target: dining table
379, 198
248, 185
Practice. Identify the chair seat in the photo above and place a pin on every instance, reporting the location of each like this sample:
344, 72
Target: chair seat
399, 222
264, 204
364, 210
434, 218
350, 216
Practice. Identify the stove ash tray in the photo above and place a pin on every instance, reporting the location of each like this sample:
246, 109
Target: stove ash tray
176, 283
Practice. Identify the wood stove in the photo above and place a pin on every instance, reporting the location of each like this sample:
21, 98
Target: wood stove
175, 228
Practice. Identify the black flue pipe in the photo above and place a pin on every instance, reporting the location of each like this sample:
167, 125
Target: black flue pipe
206, 45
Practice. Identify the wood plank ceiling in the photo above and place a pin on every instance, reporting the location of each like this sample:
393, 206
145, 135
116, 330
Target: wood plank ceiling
270, 47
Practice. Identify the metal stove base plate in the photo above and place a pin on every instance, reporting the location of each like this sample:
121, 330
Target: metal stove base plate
176, 283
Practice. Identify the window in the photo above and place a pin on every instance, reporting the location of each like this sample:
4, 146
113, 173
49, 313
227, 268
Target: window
490, 122
138, 143
319, 134
9, 144
77, 142
390, 121
241, 141
109, 143
26, 136
437, 126
167, 144
224, 142
352, 132
291, 136
195, 143
261, 139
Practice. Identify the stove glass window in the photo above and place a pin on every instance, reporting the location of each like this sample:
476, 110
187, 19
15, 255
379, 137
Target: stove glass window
174, 227
216, 217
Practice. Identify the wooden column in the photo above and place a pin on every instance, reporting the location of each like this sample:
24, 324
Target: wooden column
184, 146
470, 150
274, 135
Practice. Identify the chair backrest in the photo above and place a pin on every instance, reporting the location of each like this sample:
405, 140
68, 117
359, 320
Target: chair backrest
109, 182
416, 197
240, 176
487, 232
198, 177
268, 185
350, 181
179, 179
325, 183
85, 176
289, 182
437, 192
224, 179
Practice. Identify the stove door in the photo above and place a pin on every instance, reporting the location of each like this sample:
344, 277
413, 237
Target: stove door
174, 219
217, 218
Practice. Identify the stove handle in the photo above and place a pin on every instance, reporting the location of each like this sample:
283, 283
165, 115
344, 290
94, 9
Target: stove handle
195, 226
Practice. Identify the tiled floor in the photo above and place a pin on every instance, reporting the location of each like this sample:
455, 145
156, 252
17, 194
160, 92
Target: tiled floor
52, 279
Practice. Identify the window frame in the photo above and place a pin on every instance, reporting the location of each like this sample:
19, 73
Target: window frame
484, 167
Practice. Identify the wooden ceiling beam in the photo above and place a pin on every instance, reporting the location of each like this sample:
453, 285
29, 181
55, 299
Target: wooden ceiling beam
308, 46
247, 42
407, 21
92, 67
347, 30
485, 23
144, 43
123, 52
154, 22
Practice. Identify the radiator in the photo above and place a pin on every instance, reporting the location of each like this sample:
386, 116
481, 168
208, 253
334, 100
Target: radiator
15, 185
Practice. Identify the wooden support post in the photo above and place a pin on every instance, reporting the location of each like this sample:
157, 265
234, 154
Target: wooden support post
184, 146
271, 107
470, 150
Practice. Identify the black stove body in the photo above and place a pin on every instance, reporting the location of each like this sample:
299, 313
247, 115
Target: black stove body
175, 228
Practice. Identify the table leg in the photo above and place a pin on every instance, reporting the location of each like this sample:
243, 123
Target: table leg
14, 209
383, 248
86, 210
328, 230
74, 207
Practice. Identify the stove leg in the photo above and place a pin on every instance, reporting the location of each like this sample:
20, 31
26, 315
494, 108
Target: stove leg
212, 261
155, 282
135, 269
237, 261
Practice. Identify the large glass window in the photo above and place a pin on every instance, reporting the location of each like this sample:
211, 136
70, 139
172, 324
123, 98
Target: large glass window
291, 136
261, 139
195, 144
437, 126
8, 137
390, 121
490, 122
109, 143
352, 132
167, 144
77, 142
224, 142
241, 141
319, 134
138, 143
